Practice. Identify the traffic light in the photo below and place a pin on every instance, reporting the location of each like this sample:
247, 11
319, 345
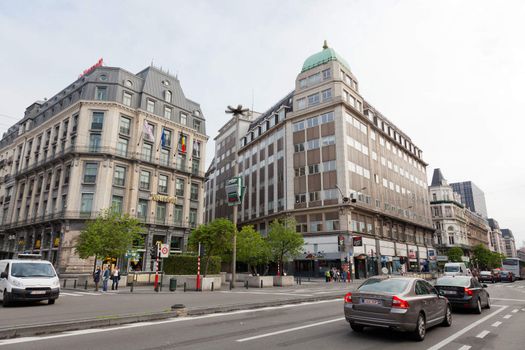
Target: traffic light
341, 243
153, 252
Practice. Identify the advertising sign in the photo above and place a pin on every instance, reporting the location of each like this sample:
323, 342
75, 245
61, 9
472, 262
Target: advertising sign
357, 241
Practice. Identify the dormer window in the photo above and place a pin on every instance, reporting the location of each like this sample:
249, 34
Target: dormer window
167, 96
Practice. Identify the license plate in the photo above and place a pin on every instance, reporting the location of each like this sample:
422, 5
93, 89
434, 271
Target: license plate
449, 292
36, 292
371, 301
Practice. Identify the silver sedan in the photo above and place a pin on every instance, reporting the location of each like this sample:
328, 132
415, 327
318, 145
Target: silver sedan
399, 303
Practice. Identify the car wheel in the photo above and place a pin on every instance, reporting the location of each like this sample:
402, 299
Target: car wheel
356, 327
421, 328
7, 299
488, 302
477, 310
447, 321
51, 301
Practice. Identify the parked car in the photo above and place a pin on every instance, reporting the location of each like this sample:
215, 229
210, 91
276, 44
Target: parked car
497, 275
28, 280
464, 292
507, 276
486, 276
457, 269
399, 303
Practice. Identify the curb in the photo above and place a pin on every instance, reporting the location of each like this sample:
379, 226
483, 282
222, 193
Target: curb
108, 321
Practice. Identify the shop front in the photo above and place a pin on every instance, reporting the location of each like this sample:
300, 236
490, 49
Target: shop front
387, 250
423, 259
413, 264
400, 260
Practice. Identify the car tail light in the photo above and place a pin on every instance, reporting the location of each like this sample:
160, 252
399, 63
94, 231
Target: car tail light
399, 303
468, 291
348, 298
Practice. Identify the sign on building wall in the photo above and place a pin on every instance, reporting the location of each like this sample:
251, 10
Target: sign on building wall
163, 198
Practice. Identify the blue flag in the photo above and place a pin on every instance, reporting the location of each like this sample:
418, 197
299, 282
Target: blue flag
163, 138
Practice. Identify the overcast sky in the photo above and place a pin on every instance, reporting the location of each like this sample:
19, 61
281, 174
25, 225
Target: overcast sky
448, 73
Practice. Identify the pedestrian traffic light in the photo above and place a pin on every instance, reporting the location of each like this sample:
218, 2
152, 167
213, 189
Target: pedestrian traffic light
341, 243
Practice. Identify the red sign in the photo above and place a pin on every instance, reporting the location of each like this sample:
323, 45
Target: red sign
411, 254
99, 63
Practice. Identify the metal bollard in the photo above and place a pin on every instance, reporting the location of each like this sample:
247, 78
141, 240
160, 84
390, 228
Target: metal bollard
261, 283
184, 286
132, 285
75, 284
231, 285
211, 286
85, 285
65, 281
300, 280
246, 284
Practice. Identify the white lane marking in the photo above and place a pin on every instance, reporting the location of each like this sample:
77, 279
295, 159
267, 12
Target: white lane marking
465, 347
496, 324
170, 320
290, 329
70, 294
270, 293
465, 330
507, 316
507, 299
515, 310
88, 293
482, 334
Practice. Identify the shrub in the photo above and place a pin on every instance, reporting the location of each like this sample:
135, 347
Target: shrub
187, 265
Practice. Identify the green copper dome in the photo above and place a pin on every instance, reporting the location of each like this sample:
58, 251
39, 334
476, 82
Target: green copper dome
322, 57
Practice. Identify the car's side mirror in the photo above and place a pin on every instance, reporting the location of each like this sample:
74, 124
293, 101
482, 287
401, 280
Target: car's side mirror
484, 285
3, 274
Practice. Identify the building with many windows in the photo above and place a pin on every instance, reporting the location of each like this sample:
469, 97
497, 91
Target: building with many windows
496, 238
112, 138
509, 243
471, 196
455, 224
353, 181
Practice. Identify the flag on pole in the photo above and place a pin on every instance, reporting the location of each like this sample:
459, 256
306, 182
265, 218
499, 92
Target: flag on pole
163, 138
148, 129
182, 143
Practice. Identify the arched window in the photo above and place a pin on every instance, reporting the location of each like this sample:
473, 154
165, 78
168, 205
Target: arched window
451, 228
167, 96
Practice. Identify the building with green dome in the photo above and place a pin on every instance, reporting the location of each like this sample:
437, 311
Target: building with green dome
354, 182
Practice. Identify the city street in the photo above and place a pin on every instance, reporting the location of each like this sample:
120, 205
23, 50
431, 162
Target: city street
313, 325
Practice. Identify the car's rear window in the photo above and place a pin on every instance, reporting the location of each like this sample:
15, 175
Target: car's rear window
504, 273
389, 285
452, 268
454, 281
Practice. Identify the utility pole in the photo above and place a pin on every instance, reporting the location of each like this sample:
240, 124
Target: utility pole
156, 287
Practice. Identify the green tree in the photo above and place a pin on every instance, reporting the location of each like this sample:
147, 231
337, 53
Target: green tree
481, 257
215, 237
495, 260
111, 234
284, 242
252, 248
454, 254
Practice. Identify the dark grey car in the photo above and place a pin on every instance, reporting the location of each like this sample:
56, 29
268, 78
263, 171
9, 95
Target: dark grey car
398, 303
464, 292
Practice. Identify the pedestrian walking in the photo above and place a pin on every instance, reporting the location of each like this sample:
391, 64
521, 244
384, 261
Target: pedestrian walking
105, 278
115, 277
96, 277
327, 276
344, 275
332, 274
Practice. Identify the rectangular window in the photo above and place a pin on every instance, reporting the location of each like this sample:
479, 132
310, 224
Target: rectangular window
163, 184
165, 139
315, 196
300, 198
183, 118
313, 144
194, 192
142, 208
86, 203
328, 140
183, 143
197, 124
196, 149
164, 156
327, 73
193, 217
311, 122
300, 171
119, 176
144, 182
179, 187
329, 166
167, 112
160, 214
122, 147
90, 173
97, 121
313, 99
313, 169
124, 126
177, 214
126, 98
327, 117
327, 94
147, 152
180, 162
298, 147
301, 103
195, 166
150, 106
116, 204
101, 93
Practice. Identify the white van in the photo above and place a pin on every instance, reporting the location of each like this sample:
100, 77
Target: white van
457, 269
28, 280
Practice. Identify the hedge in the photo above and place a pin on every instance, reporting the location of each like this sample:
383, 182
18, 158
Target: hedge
187, 265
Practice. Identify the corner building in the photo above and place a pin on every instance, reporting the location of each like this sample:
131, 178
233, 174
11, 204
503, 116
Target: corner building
321, 143
111, 138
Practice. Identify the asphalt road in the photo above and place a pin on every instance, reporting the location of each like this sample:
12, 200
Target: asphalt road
315, 325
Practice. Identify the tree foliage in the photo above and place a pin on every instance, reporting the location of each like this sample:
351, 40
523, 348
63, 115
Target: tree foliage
484, 259
111, 234
215, 238
454, 254
284, 242
252, 248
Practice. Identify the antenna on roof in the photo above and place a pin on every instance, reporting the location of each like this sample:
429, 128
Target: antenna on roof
325, 45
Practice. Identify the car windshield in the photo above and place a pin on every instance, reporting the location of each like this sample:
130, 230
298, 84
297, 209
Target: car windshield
451, 268
454, 282
390, 285
32, 270
504, 273
488, 273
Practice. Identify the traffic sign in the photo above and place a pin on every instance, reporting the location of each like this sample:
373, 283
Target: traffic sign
234, 191
164, 250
